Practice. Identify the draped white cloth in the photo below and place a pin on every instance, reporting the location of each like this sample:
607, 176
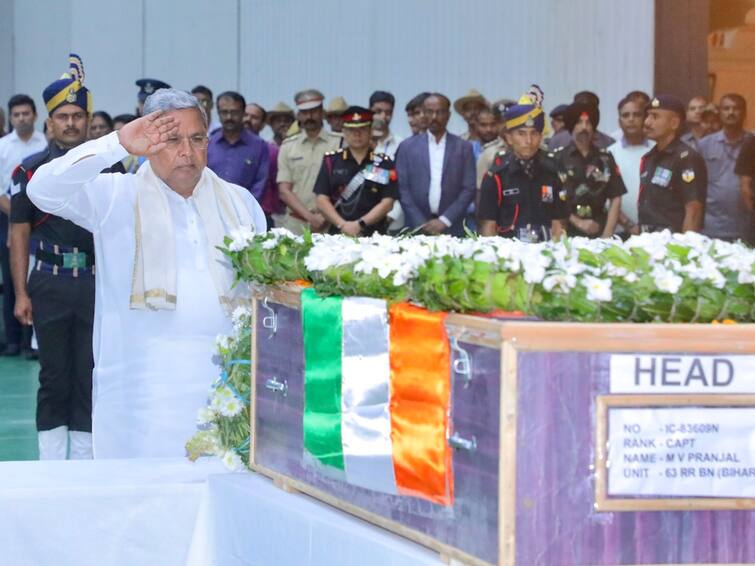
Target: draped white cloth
153, 369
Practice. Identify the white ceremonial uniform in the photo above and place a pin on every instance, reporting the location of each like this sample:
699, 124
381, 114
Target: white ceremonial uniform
152, 369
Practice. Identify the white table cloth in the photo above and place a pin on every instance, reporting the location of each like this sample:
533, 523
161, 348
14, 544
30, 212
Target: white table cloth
100, 512
246, 520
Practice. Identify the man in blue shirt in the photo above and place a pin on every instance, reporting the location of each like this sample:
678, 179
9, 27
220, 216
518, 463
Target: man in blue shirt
235, 153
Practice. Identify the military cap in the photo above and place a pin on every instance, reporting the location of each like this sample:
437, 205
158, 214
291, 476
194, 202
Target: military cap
149, 86
69, 88
559, 112
527, 112
356, 117
308, 99
668, 102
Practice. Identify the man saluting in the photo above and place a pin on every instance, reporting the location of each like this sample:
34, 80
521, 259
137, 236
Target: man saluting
163, 288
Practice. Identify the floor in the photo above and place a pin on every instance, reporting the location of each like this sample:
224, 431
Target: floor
18, 399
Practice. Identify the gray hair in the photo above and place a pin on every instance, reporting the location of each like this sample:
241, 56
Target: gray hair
167, 99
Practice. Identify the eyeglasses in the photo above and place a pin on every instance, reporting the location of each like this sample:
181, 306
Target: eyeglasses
197, 141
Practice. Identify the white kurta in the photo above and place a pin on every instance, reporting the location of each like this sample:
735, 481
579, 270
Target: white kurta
153, 369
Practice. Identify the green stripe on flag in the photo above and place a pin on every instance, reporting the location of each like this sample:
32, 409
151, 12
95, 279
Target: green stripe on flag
322, 329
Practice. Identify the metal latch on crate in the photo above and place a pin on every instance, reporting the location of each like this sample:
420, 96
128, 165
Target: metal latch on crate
277, 386
462, 363
461, 443
271, 320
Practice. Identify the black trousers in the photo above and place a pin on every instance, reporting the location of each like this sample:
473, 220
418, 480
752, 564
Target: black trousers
63, 314
12, 326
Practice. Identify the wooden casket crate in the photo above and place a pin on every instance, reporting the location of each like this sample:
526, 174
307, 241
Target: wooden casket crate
539, 475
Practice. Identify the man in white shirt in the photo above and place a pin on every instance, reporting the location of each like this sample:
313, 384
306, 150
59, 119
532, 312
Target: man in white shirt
164, 291
382, 104
19, 144
628, 152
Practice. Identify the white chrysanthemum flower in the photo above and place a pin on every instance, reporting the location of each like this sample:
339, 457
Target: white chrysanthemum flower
233, 461
205, 415
223, 341
230, 407
240, 238
597, 289
564, 282
665, 279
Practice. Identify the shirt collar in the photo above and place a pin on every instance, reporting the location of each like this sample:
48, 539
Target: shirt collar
625, 143
244, 139
431, 138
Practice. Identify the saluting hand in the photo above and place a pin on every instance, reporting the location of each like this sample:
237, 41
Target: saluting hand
148, 135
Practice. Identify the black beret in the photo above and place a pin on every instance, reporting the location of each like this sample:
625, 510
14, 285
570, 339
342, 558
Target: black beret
668, 102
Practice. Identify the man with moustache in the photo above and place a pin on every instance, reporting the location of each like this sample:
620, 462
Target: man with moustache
279, 119
382, 104
694, 117
59, 296
673, 177
299, 162
164, 288
414, 115
628, 152
22, 142
436, 174
236, 154
592, 178
727, 214
255, 117
521, 195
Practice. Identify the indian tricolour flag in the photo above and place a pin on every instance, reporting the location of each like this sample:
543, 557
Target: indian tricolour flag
376, 394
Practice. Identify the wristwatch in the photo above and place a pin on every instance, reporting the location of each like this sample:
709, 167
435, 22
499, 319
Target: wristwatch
362, 224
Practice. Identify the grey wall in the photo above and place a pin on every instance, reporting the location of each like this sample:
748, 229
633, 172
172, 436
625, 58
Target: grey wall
270, 48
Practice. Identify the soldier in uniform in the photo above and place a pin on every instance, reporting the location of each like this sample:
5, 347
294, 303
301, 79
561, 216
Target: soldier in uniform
59, 295
299, 162
147, 87
356, 187
673, 177
592, 176
491, 149
522, 195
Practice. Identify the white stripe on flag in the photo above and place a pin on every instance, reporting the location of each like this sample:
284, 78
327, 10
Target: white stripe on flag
365, 395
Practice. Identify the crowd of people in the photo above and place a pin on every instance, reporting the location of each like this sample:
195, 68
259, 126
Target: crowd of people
516, 172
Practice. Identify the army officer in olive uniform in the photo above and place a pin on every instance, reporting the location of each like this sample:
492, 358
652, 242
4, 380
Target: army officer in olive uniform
356, 188
592, 176
673, 176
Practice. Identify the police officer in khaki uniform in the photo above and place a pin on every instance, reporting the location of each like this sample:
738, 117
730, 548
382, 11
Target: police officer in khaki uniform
673, 176
299, 163
356, 187
490, 149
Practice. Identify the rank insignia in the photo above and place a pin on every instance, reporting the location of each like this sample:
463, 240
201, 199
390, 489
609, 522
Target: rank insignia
546, 193
562, 176
684, 154
688, 175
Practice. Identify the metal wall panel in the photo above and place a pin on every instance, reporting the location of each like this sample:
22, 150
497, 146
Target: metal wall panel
271, 48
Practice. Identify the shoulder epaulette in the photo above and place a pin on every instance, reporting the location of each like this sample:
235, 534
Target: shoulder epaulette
384, 156
291, 138
501, 152
336, 134
330, 153
490, 144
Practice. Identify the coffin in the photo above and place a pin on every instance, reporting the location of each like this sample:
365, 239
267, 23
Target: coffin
560, 436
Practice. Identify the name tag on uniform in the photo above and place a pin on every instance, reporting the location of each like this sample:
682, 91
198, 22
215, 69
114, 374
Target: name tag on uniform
377, 174
510, 192
661, 177
546, 193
